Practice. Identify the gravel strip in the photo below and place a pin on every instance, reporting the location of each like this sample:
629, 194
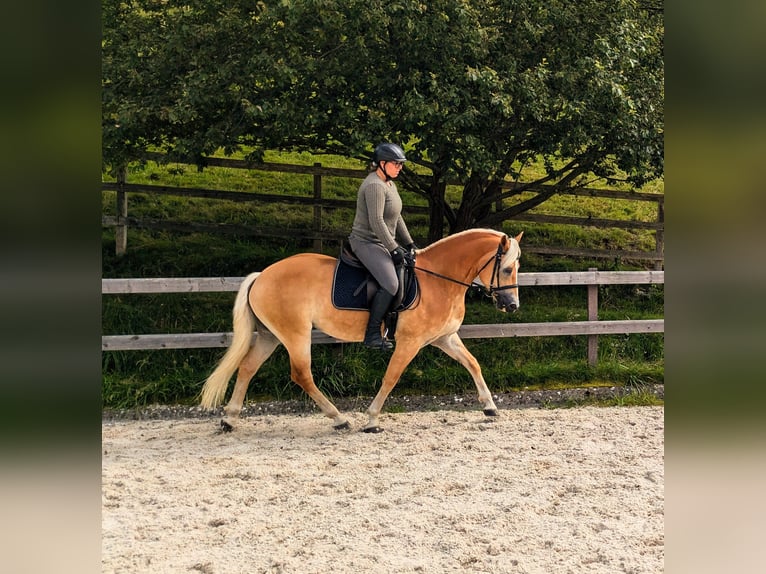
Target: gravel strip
400, 403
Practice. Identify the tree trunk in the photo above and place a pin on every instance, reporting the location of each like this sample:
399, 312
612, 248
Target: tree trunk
437, 207
473, 193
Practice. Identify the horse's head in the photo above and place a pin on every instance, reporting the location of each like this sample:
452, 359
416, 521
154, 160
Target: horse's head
503, 283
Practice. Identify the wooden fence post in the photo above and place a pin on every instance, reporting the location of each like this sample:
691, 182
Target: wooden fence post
121, 230
659, 236
592, 316
318, 208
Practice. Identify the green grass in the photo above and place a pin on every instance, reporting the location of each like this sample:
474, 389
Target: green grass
135, 378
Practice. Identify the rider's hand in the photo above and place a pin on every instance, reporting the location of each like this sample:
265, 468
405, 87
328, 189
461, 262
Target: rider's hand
398, 255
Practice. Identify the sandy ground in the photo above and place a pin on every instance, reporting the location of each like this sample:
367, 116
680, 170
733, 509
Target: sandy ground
532, 491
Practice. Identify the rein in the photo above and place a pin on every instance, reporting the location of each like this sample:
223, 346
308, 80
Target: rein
497, 258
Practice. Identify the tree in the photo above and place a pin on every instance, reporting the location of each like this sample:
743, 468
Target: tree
476, 90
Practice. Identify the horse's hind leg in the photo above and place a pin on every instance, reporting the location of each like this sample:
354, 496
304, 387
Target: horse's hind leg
454, 347
264, 346
300, 372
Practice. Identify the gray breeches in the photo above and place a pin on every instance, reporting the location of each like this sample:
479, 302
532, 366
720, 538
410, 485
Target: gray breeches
378, 261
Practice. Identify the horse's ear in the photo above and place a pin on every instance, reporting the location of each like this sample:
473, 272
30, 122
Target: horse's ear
518, 237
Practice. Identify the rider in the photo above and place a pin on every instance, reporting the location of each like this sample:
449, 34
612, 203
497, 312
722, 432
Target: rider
377, 226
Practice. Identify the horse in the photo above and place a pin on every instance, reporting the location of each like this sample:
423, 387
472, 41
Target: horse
292, 296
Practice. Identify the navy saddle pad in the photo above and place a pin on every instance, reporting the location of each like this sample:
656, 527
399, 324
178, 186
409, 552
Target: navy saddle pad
350, 288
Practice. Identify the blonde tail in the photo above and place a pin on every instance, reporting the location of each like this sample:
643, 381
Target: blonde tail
244, 325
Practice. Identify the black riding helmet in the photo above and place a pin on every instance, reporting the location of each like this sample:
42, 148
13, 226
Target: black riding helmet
388, 152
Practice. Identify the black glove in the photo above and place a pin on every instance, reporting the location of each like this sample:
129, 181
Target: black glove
398, 255
410, 257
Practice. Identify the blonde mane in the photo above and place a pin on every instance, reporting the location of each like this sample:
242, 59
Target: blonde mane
462, 233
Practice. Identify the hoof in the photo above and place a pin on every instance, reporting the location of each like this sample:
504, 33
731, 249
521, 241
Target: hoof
342, 426
373, 429
491, 412
226, 427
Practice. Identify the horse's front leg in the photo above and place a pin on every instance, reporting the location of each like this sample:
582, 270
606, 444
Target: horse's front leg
403, 355
454, 347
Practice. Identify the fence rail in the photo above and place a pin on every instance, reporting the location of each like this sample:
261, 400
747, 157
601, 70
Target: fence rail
121, 222
592, 327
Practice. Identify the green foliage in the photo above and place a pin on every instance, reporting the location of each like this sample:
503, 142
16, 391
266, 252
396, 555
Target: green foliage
477, 90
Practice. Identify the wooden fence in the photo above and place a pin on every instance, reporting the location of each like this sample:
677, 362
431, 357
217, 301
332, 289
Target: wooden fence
319, 234
592, 328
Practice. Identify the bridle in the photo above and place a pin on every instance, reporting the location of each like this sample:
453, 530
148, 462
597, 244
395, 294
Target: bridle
497, 258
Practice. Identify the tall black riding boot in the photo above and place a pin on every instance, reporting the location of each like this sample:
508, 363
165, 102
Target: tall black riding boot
378, 308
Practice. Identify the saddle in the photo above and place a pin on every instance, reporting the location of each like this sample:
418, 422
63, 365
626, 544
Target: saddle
353, 288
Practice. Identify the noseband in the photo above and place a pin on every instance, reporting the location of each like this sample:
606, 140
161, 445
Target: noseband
497, 258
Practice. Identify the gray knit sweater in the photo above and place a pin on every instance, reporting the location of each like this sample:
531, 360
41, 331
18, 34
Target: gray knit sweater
378, 216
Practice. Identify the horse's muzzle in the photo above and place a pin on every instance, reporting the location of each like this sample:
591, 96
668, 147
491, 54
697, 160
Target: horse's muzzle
509, 308
506, 303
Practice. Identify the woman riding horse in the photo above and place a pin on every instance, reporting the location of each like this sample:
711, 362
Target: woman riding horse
377, 225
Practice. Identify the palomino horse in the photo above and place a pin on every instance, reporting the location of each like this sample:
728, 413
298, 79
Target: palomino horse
292, 296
